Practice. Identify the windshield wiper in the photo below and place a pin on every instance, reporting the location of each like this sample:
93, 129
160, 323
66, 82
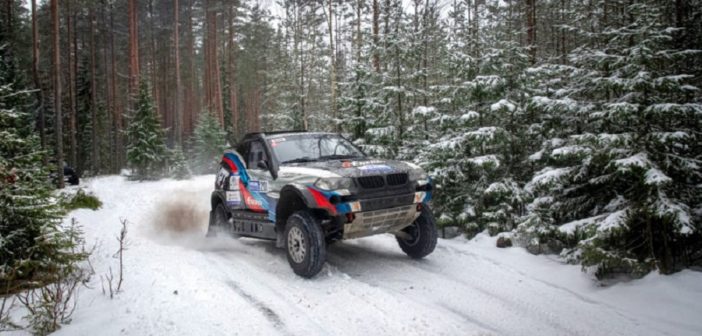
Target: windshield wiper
339, 156
300, 160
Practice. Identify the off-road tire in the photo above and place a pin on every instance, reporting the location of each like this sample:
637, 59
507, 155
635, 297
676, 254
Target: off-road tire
303, 224
218, 222
424, 236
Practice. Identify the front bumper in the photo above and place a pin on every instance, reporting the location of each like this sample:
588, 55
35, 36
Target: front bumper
368, 223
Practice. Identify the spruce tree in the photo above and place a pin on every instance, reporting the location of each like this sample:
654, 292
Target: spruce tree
147, 150
622, 186
178, 165
33, 249
208, 142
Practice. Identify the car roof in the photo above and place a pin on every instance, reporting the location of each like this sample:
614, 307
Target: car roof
279, 134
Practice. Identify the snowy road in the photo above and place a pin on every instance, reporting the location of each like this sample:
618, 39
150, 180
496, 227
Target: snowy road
179, 283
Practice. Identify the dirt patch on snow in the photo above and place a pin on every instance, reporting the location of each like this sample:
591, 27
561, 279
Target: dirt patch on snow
179, 215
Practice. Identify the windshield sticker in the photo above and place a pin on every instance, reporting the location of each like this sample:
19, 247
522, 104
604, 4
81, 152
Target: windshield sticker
376, 168
365, 163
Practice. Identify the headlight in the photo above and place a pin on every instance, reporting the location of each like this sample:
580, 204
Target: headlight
333, 183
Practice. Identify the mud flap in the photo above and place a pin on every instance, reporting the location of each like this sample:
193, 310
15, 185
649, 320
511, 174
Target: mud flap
280, 240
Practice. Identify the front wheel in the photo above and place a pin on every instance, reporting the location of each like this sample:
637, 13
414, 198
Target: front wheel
304, 243
421, 237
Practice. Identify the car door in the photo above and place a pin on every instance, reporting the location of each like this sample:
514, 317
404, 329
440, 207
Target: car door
254, 193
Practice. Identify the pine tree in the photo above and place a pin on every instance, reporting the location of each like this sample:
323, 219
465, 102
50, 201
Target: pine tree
33, 249
208, 142
147, 148
178, 165
622, 184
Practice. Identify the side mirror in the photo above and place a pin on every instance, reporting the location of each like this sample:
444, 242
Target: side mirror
262, 165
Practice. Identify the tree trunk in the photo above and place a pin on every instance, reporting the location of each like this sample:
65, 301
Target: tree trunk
212, 80
116, 108
191, 109
58, 126
153, 68
177, 101
233, 97
376, 39
95, 159
332, 73
531, 29
41, 119
72, 151
133, 51
359, 128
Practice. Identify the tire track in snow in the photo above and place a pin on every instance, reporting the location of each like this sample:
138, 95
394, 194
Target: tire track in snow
582, 298
227, 259
350, 255
259, 305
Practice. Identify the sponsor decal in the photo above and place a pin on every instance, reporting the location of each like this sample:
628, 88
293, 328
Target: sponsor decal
276, 141
258, 186
233, 198
364, 163
255, 201
252, 202
419, 196
375, 168
234, 182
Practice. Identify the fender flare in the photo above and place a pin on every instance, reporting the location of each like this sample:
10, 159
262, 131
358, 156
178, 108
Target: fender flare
215, 199
294, 197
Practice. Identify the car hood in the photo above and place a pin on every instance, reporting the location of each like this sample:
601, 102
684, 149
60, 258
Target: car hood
345, 168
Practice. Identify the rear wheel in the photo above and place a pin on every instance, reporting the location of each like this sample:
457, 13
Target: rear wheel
218, 221
304, 244
421, 236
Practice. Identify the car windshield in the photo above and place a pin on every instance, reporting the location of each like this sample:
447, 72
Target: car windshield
312, 147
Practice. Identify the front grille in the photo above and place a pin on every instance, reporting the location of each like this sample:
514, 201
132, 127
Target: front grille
371, 182
397, 179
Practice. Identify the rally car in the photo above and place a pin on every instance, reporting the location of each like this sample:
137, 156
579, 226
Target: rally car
306, 190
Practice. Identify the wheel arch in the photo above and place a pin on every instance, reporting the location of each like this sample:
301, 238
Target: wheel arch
215, 199
292, 198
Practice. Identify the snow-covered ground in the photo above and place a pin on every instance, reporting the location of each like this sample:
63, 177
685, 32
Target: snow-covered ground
179, 283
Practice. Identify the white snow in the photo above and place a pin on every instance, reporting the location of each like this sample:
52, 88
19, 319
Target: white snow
423, 111
547, 176
470, 115
485, 159
503, 104
655, 176
570, 227
637, 160
185, 284
571, 150
614, 220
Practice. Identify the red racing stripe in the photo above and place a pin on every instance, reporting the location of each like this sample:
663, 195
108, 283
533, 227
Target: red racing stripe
231, 164
322, 201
